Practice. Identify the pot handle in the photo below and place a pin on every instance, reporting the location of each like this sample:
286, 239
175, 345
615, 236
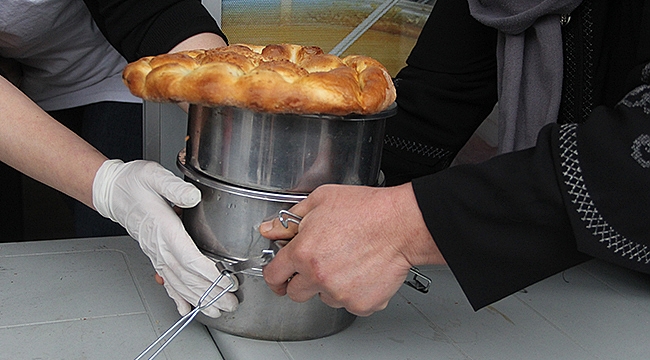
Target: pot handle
418, 280
286, 217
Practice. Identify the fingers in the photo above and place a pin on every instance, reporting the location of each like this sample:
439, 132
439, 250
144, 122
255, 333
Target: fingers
300, 290
170, 186
331, 256
279, 271
275, 230
191, 293
282, 270
182, 306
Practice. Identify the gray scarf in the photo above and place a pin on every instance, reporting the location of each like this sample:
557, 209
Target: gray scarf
530, 65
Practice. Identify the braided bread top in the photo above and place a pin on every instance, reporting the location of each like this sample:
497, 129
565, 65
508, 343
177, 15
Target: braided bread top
281, 78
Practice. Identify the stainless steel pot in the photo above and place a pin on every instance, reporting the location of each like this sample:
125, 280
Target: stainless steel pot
284, 152
264, 315
225, 227
226, 221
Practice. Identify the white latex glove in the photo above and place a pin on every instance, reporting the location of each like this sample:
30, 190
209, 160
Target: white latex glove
135, 195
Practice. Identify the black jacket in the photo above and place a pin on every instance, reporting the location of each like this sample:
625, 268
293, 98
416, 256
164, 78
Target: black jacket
138, 28
582, 192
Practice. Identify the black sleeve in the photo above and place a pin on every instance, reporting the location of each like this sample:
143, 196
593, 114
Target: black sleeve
605, 168
138, 28
443, 94
582, 192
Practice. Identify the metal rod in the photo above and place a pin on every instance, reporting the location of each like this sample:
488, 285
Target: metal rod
182, 323
363, 27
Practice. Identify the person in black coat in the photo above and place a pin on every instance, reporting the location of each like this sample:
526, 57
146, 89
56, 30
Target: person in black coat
572, 181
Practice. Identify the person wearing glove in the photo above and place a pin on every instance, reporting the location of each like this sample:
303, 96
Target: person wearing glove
133, 194
54, 52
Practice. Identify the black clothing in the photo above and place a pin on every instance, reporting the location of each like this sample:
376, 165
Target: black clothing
443, 95
115, 129
582, 192
135, 28
138, 28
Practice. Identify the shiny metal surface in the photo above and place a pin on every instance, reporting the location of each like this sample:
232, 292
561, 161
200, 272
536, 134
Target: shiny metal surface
254, 263
264, 315
283, 152
226, 220
225, 227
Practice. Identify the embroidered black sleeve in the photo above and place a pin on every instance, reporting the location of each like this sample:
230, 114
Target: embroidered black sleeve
589, 214
632, 159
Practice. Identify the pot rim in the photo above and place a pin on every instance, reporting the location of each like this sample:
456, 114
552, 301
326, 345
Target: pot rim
390, 111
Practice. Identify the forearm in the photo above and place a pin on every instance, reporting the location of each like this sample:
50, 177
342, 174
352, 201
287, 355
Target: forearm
40, 147
200, 41
444, 94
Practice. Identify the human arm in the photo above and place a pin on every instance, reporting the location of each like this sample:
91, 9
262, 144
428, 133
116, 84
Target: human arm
134, 194
502, 225
40, 147
499, 228
139, 28
579, 193
444, 93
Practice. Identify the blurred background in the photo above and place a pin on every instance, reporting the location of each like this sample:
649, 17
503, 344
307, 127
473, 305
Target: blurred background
384, 30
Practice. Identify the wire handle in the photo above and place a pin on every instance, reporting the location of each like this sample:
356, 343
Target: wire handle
286, 217
418, 281
175, 329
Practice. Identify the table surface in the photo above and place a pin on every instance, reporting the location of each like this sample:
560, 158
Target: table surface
87, 299
96, 299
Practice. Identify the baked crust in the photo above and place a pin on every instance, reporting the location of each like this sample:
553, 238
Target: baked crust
282, 78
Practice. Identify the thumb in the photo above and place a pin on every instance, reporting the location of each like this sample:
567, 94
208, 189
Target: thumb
173, 188
274, 230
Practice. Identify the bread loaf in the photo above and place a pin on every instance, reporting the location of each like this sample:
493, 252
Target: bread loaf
281, 78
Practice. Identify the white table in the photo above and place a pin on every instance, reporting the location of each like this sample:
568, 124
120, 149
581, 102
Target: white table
594, 311
87, 299
95, 299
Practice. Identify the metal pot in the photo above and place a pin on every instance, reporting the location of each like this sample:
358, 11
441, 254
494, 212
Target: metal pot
226, 221
285, 152
264, 315
225, 227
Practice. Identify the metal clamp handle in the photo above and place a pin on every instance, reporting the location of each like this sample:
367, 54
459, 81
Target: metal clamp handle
182, 323
286, 217
419, 281
225, 270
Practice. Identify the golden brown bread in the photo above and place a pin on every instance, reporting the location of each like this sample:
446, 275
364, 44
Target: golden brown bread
281, 78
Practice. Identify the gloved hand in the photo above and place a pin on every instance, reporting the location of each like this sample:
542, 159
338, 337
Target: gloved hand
135, 195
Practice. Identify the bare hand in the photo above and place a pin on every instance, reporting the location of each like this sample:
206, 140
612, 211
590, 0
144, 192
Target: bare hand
354, 247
